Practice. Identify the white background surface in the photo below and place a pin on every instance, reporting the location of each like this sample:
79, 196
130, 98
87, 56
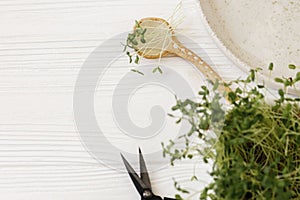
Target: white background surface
43, 44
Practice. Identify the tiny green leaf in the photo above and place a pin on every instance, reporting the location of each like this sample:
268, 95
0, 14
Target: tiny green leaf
271, 66
137, 71
279, 80
159, 69
292, 66
143, 40
137, 58
129, 56
281, 93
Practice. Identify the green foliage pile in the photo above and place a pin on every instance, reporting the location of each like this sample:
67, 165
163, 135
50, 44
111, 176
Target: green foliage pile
256, 150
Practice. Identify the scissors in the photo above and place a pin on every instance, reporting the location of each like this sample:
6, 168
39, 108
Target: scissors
142, 183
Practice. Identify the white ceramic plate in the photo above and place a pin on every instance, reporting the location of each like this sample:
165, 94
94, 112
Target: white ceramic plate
255, 33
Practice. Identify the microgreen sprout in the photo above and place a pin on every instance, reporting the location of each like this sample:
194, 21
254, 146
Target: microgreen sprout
157, 69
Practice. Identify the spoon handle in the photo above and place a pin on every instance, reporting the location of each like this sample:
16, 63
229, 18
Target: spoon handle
183, 52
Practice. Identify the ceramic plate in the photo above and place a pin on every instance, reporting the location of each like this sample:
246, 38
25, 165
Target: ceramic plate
255, 33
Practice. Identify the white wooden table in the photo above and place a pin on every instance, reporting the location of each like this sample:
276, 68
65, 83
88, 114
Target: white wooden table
43, 45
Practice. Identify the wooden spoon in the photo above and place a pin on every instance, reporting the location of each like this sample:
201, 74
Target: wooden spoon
161, 40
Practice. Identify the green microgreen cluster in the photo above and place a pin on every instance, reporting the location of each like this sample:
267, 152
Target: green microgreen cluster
256, 147
133, 39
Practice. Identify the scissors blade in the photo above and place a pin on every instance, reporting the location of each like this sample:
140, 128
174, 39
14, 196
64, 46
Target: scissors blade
138, 183
143, 171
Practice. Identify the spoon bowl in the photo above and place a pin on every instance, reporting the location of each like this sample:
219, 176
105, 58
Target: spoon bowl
158, 37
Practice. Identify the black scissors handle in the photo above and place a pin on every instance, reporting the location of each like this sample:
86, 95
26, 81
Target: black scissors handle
166, 198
